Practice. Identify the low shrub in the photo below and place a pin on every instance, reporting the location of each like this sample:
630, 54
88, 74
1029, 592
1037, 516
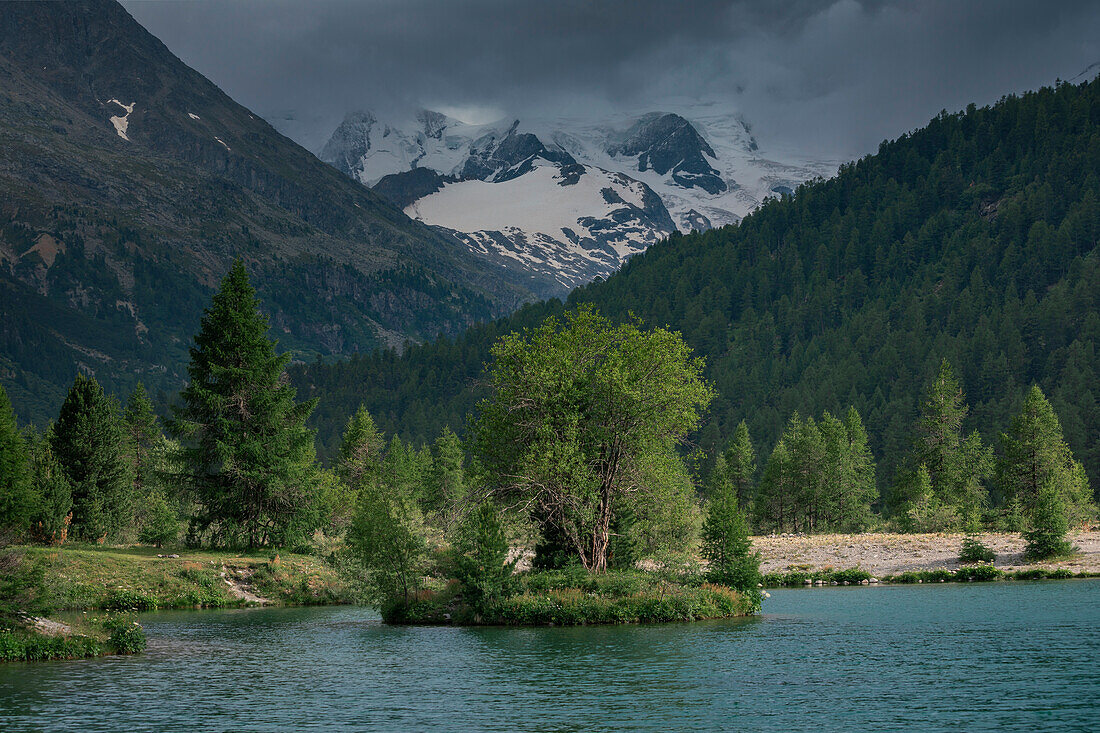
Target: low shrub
974, 551
980, 573
19, 646
125, 636
122, 599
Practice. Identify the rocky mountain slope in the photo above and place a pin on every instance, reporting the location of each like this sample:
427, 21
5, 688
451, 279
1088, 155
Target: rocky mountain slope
129, 182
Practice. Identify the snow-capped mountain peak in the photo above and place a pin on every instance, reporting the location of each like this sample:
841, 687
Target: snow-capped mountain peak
559, 198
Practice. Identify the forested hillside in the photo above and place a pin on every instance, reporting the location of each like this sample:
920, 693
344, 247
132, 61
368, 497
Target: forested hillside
973, 239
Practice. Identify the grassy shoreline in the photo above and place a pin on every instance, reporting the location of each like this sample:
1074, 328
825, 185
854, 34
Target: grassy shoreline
88, 577
120, 580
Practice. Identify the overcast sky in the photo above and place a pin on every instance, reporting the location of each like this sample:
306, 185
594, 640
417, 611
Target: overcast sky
832, 78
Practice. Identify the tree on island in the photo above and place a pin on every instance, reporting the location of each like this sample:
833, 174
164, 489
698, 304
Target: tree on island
247, 457
88, 442
579, 408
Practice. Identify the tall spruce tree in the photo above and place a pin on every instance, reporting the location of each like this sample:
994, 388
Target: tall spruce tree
142, 432
88, 442
360, 458
53, 494
727, 545
246, 453
740, 459
448, 480
1035, 458
16, 501
957, 466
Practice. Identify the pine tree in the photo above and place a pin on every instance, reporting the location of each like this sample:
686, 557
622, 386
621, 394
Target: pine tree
727, 545
482, 558
448, 478
247, 456
88, 442
53, 494
957, 467
360, 457
740, 459
16, 500
1035, 458
855, 488
1047, 536
142, 432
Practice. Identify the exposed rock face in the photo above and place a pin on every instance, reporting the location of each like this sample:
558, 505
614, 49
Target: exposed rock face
669, 144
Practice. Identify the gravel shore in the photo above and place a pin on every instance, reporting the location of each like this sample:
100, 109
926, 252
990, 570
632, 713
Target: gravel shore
889, 554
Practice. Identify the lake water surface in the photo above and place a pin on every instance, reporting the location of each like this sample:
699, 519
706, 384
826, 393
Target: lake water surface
1015, 656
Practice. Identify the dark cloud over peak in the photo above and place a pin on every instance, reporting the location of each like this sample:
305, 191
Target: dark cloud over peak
834, 77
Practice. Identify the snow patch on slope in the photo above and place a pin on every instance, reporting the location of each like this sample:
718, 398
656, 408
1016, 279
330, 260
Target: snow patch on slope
122, 122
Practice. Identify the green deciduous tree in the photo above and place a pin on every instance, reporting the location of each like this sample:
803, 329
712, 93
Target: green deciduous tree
1035, 458
576, 408
386, 538
160, 521
88, 442
247, 456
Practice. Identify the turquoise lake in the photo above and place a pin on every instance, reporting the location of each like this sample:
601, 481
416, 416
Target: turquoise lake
951, 657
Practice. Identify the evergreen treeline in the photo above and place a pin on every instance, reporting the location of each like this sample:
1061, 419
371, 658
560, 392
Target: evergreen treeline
973, 239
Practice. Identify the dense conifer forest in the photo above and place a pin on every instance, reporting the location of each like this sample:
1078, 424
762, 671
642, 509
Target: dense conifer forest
973, 239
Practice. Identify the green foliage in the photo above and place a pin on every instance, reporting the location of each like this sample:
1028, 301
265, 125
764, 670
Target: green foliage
956, 467
360, 456
125, 635
578, 408
727, 545
53, 495
142, 435
974, 551
926, 512
819, 477
248, 459
1036, 459
16, 646
447, 482
16, 498
664, 605
482, 564
1047, 536
386, 540
88, 442
740, 463
123, 599
160, 524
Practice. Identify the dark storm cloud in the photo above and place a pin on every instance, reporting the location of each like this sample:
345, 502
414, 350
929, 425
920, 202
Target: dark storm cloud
831, 76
